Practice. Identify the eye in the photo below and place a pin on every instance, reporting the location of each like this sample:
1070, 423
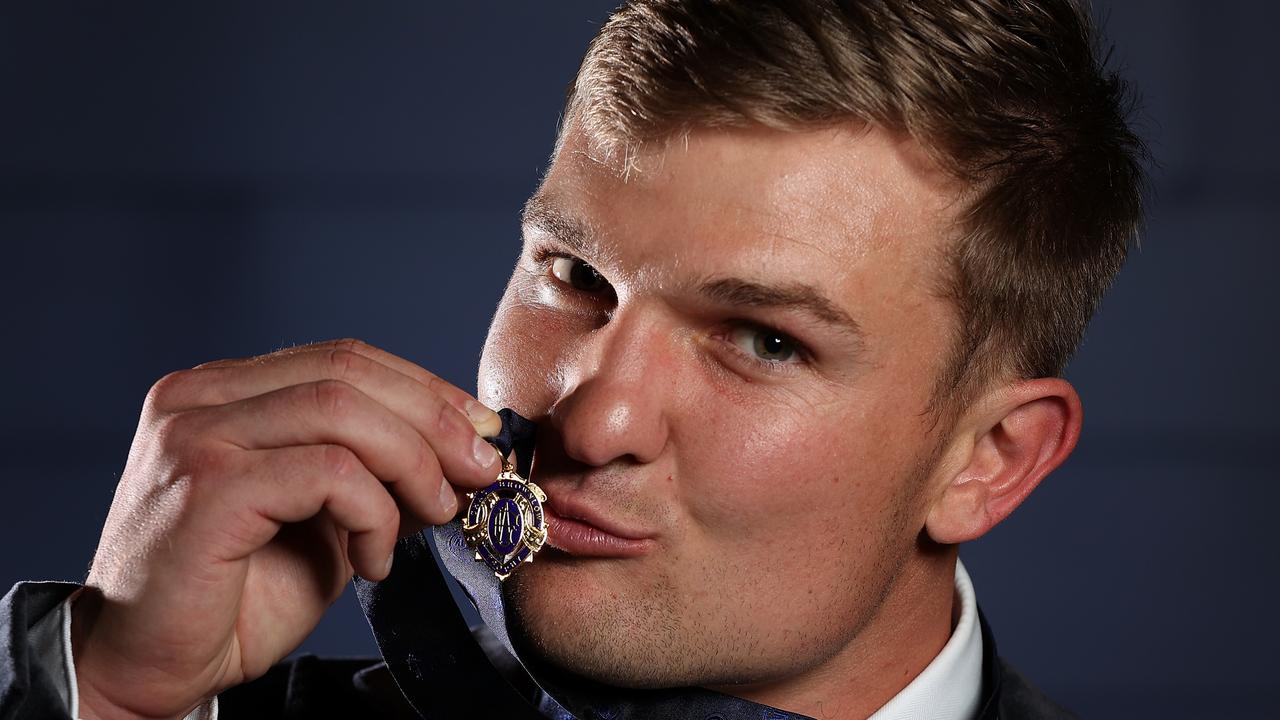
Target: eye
765, 344
577, 274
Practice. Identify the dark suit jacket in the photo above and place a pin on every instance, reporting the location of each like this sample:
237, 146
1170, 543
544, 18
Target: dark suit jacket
309, 687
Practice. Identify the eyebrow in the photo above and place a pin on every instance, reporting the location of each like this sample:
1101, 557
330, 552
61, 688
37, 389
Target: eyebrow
580, 237
577, 235
747, 293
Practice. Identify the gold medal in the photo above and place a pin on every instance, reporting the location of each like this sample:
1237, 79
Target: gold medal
504, 524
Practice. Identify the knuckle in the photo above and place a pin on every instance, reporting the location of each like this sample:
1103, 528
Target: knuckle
347, 365
333, 397
437, 385
167, 389
338, 461
352, 345
450, 420
171, 432
196, 470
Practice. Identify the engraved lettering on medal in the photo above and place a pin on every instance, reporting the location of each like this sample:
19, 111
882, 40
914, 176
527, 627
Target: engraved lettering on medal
504, 524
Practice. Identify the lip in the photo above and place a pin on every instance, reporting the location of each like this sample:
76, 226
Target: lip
578, 530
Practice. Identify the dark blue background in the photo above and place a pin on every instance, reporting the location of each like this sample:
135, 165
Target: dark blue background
183, 182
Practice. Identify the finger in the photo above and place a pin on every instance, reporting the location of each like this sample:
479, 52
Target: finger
333, 412
486, 420
292, 484
194, 385
464, 456
330, 358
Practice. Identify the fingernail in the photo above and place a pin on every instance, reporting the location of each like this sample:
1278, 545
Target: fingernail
448, 500
390, 559
483, 453
482, 418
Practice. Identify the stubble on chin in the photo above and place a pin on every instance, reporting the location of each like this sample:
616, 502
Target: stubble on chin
637, 635
570, 617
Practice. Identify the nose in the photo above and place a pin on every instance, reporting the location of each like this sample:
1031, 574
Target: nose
612, 405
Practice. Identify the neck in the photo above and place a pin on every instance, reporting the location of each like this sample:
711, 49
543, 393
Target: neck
906, 633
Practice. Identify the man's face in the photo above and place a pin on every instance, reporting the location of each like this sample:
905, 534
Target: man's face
734, 432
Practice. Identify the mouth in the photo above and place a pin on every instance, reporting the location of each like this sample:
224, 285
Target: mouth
578, 530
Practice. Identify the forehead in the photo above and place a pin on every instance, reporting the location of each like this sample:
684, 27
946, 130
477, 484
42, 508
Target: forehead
837, 196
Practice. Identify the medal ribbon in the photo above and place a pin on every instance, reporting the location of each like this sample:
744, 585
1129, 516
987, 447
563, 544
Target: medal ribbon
422, 635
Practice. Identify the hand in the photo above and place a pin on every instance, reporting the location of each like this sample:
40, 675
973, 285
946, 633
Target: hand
254, 488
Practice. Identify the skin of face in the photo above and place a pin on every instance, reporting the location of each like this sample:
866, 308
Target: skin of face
773, 452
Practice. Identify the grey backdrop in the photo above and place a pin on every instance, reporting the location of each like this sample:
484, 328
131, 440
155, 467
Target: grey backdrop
183, 182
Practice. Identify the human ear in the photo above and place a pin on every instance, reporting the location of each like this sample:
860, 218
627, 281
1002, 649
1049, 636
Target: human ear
1019, 434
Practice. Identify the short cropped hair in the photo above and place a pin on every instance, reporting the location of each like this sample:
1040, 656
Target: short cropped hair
1008, 96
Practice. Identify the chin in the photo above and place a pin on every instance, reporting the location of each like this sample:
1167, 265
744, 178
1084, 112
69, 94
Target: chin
600, 621
593, 619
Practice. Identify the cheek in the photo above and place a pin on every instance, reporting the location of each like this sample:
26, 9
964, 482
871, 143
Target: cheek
786, 517
800, 486
753, 477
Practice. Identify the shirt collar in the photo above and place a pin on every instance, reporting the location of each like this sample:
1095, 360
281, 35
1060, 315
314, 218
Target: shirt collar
950, 687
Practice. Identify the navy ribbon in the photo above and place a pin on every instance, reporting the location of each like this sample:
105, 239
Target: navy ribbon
517, 435
423, 636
